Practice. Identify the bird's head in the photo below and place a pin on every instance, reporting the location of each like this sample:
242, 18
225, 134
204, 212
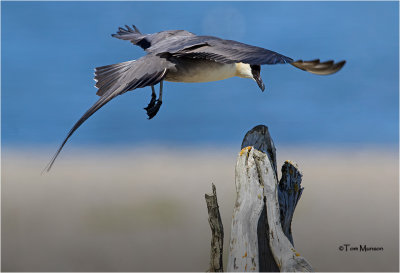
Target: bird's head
250, 72
255, 71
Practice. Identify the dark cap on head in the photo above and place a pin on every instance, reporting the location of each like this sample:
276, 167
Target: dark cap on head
255, 70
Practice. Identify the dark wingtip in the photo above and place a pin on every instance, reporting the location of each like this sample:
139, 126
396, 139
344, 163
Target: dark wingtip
341, 63
318, 67
136, 29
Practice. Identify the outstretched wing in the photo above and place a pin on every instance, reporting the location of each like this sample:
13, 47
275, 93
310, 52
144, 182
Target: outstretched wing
316, 67
182, 43
148, 70
226, 51
133, 35
146, 41
114, 80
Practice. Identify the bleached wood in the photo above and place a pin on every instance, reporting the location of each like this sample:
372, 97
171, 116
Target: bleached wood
217, 230
243, 249
286, 257
258, 241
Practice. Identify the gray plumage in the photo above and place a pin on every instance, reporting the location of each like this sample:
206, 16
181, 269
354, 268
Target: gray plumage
179, 55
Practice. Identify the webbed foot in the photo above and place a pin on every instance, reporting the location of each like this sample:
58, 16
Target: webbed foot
153, 110
151, 103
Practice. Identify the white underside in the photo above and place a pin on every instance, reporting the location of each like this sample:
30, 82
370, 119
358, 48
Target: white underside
208, 71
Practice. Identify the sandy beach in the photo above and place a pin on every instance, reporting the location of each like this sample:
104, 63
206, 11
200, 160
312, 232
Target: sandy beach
144, 209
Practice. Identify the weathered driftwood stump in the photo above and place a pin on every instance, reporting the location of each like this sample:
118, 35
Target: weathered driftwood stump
261, 238
217, 229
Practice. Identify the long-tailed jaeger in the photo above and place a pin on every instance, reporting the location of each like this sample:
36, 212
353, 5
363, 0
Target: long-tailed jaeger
181, 56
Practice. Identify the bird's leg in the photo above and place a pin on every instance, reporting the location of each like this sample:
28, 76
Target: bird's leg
160, 94
151, 112
153, 99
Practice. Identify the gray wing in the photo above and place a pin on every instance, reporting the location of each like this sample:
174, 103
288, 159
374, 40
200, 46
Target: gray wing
132, 35
114, 80
185, 44
147, 41
182, 43
226, 51
148, 70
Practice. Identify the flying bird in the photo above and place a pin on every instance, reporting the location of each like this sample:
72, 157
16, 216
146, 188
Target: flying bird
181, 56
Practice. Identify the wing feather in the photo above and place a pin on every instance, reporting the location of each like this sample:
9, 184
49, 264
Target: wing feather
147, 41
181, 43
227, 51
316, 67
117, 79
113, 76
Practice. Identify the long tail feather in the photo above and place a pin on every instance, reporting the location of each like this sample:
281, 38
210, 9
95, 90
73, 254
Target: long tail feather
100, 103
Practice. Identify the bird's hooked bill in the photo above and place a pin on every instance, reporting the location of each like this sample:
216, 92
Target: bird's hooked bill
260, 82
255, 70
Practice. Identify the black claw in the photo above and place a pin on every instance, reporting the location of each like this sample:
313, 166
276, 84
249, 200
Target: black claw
151, 103
151, 112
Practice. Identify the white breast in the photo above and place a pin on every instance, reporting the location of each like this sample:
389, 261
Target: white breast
201, 71
198, 70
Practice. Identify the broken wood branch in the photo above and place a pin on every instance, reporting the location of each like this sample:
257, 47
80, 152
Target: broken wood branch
217, 229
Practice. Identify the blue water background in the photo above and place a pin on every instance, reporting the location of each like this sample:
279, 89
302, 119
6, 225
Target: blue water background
49, 50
